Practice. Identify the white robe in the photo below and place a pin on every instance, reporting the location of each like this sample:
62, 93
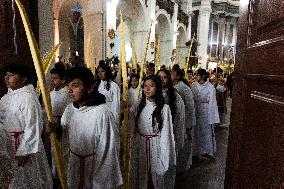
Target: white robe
112, 98
21, 112
7, 158
190, 121
93, 133
133, 98
206, 116
186, 94
161, 150
59, 101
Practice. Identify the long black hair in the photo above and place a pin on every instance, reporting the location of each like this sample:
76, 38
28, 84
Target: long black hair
108, 75
159, 101
203, 74
171, 91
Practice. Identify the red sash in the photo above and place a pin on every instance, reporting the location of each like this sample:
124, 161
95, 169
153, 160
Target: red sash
16, 135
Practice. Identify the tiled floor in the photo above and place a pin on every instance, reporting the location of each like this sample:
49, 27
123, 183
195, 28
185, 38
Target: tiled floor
208, 174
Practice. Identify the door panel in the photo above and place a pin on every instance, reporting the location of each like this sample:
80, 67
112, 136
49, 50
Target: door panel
256, 142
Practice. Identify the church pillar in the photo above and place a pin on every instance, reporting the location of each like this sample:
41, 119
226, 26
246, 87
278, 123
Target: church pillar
111, 19
203, 32
152, 12
228, 39
174, 30
221, 29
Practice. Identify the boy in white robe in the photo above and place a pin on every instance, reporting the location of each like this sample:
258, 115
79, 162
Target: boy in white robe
7, 159
21, 115
93, 135
204, 143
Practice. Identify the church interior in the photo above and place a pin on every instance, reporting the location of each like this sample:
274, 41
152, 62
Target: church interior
239, 43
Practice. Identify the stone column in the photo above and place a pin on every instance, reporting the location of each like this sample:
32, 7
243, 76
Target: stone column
111, 18
152, 18
228, 39
221, 29
203, 32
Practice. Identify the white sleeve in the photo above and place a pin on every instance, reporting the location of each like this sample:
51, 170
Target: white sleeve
116, 102
179, 122
32, 114
213, 108
167, 142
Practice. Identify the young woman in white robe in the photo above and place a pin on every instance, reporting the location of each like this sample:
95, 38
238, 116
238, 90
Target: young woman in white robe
21, 115
153, 148
133, 91
190, 120
173, 99
7, 159
93, 135
204, 143
109, 89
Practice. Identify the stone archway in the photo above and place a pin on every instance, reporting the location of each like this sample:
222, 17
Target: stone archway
163, 31
181, 47
133, 12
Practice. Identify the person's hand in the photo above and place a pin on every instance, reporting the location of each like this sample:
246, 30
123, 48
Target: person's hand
53, 124
22, 160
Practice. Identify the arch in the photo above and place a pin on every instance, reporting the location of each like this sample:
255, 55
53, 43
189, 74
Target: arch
163, 12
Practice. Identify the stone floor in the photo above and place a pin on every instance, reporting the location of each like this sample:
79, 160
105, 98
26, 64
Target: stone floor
209, 174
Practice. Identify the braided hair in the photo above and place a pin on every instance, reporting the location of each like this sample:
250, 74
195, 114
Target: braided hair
171, 91
159, 101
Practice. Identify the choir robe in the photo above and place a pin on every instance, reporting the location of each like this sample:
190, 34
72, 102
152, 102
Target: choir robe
157, 153
190, 121
59, 101
112, 98
7, 158
21, 115
206, 116
179, 133
93, 141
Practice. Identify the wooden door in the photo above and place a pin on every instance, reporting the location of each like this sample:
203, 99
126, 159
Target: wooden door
256, 141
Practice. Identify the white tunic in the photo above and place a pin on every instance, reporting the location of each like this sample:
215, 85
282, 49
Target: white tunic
185, 92
179, 120
93, 138
206, 115
59, 101
161, 149
7, 158
21, 114
133, 97
112, 98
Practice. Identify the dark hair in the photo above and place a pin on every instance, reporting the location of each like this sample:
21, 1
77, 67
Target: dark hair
159, 101
58, 69
131, 77
151, 65
189, 71
180, 72
18, 68
203, 74
108, 73
171, 92
82, 73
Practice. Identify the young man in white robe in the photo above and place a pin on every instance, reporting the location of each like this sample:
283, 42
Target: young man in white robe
173, 99
190, 120
93, 135
110, 90
59, 101
204, 143
7, 159
21, 115
153, 148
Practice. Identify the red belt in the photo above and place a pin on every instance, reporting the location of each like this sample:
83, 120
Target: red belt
16, 135
82, 167
148, 147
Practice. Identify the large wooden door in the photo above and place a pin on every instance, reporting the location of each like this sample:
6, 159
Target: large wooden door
256, 142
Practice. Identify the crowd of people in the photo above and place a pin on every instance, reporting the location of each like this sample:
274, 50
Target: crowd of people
87, 118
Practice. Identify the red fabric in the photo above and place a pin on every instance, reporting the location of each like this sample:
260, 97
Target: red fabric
82, 167
16, 135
